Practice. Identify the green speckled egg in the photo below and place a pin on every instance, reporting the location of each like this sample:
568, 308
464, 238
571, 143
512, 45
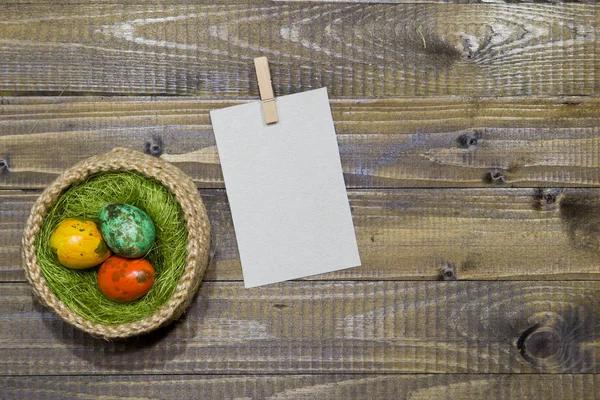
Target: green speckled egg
127, 230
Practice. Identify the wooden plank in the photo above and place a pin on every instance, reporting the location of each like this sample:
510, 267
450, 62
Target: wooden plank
458, 142
423, 1
294, 387
255, 2
353, 49
317, 327
414, 234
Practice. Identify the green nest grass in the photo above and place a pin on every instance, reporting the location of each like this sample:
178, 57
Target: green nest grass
78, 289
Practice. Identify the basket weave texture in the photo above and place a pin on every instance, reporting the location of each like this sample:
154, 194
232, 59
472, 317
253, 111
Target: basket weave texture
198, 244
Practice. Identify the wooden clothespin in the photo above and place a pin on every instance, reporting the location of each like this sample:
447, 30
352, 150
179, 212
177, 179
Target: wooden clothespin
266, 90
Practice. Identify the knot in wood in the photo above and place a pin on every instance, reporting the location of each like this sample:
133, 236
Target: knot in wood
542, 343
3, 165
555, 343
154, 146
548, 199
497, 176
539, 345
468, 140
448, 272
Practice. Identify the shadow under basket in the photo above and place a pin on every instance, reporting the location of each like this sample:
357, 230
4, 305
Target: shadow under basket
193, 215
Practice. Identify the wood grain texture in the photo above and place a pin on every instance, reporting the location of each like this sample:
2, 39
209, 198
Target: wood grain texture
432, 1
414, 142
305, 387
521, 198
509, 234
317, 327
254, 2
355, 49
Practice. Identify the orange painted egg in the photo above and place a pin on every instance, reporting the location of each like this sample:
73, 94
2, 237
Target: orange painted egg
124, 279
78, 244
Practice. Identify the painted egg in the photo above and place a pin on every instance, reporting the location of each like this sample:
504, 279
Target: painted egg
78, 244
124, 279
127, 230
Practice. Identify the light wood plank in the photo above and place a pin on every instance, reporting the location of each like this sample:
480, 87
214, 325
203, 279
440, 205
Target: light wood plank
458, 142
415, 234
354, 49
304, 387
316, 327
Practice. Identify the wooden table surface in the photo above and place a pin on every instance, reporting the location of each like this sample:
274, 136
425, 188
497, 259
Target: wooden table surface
470, 142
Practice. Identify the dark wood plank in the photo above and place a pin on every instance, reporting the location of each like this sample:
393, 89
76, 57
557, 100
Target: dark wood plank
295, 387
354, 49
213, 2
492, 234
423, 1
317, 327
459, 142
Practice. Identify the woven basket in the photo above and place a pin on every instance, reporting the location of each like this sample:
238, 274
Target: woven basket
198, 244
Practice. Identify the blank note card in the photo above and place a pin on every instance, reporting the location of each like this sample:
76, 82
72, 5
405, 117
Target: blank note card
286, 189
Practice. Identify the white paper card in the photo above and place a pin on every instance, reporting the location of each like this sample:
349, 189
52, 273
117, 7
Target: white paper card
286, 189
